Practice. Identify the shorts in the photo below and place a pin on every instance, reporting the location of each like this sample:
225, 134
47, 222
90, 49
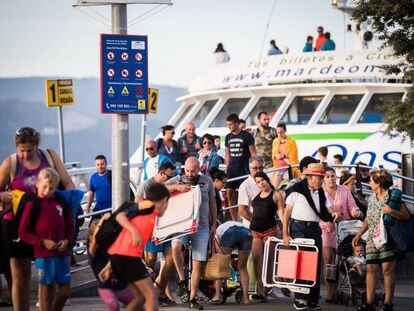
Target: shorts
232, 174
375, 256
265, 234
128, 269
199, 243
237, 237
152, 248
329, 235
53, 269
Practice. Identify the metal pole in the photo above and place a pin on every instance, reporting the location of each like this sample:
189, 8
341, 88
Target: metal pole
120, 128
143, 134
61, 138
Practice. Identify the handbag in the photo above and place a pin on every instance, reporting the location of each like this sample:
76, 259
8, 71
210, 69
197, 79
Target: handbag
400, 235
217, 266
379, 236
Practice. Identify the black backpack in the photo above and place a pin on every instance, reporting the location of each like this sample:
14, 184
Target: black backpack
110, 228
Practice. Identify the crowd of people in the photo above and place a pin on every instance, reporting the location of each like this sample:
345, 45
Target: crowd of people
241, 213
323, 42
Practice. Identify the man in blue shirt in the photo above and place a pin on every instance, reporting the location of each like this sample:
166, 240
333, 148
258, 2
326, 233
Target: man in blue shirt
100, 185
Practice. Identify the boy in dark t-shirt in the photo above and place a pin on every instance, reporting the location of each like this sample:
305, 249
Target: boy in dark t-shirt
239, 148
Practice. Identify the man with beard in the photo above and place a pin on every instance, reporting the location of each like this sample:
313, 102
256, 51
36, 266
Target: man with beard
206, 228
263, 139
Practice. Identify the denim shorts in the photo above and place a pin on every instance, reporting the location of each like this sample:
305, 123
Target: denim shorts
152, 248
53, 269
199, 243
237, 237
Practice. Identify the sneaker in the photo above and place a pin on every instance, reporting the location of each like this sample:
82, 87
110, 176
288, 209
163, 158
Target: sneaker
193, 304
276, 293
300, 304
313, 306
181, 288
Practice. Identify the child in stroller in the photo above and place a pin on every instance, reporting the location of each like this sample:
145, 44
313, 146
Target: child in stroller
358, 263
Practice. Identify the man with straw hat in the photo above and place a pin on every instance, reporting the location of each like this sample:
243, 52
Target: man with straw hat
306, 206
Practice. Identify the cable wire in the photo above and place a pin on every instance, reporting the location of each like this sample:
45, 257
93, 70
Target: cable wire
93, 17
146, 17
267, 28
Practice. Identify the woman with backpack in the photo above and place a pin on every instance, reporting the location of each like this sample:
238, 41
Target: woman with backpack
19, 172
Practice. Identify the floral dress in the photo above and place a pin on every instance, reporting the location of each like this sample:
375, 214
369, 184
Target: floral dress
373, 254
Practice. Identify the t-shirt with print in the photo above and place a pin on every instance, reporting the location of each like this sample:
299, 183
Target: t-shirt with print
207, 194
239, 151
101, 185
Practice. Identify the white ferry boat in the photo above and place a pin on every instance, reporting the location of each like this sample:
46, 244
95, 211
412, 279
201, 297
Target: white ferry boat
330, 98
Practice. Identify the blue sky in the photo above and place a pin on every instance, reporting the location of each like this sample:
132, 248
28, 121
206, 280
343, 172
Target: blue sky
51, 39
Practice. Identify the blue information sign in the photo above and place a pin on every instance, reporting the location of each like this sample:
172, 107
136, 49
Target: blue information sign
124, 74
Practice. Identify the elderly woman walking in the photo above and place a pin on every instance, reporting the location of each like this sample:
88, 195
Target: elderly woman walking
381, 181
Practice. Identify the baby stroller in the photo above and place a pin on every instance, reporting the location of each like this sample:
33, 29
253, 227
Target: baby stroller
351, 286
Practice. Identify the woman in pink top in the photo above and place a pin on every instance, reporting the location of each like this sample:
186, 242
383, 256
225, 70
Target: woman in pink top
343, 203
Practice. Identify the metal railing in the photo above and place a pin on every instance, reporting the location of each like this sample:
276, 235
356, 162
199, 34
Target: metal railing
362, 188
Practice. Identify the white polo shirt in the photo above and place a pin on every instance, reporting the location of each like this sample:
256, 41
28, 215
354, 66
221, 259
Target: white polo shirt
248, 190
301, 210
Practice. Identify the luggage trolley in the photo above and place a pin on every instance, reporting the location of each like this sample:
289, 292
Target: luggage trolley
294, 267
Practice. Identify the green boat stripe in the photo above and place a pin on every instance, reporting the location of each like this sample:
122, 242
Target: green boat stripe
308, 136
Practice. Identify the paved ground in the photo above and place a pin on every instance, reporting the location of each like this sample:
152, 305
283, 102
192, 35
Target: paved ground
85, 304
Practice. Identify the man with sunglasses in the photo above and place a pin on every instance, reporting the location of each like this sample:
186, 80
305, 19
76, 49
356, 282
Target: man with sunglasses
165, 172
320, 39
154, 160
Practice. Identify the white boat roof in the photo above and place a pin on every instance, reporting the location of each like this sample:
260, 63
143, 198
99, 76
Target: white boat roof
300, 69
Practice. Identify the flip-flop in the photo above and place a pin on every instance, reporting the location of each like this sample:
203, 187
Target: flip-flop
215, 302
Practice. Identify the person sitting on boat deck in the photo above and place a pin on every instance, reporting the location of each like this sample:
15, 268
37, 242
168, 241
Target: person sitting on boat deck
153, 161
263, 138
267, 208
248, 190
284, 152
323, 155
320, 39
221, 55
306, 206
189, 143
308, 45
168, 146
220, 151
206, 228
208, 156
100, 184
239, 148
329, 44
274, 50
303, 167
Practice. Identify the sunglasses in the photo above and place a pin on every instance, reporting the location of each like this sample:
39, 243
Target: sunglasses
168, 176
26, 131
207, 143
150, 148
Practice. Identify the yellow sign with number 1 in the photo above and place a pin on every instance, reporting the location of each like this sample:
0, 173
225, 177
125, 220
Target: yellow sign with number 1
59, 93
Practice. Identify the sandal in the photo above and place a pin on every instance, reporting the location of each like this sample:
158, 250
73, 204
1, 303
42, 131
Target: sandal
259, 297
215, 302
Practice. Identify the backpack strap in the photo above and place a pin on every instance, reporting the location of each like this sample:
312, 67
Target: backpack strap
48, 157
13, 166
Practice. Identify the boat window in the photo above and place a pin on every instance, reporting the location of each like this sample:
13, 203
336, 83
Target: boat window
184, 114
268, 104
373, 113
204, 111
232, 105
301, 109
340, 109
